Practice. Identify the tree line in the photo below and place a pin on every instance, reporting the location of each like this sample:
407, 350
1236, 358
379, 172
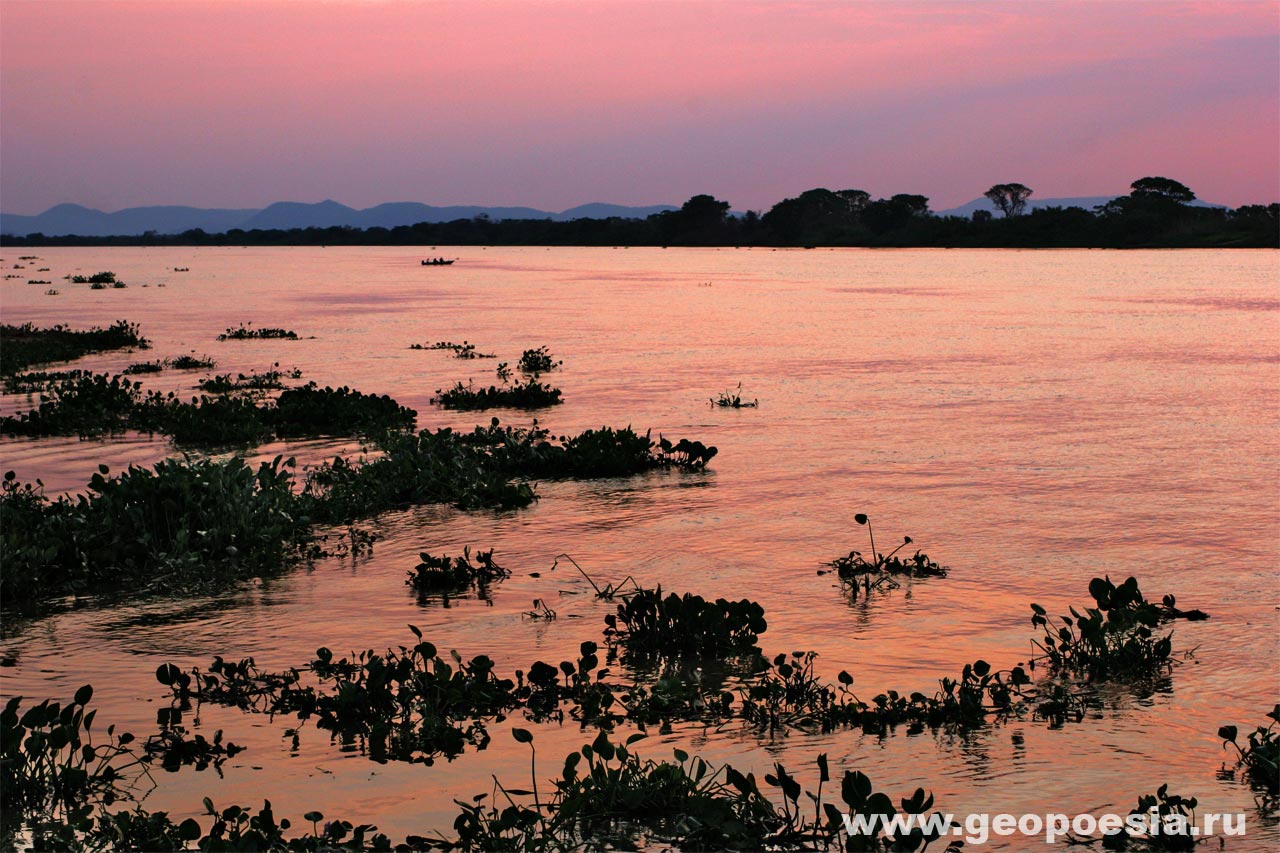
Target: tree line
1156, 214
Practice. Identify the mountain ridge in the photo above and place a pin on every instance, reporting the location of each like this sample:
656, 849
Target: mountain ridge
75, 219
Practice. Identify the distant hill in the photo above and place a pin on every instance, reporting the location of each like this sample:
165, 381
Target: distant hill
1088, 202
65, 219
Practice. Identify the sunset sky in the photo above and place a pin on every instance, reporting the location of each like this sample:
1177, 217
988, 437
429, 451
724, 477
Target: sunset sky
239, 104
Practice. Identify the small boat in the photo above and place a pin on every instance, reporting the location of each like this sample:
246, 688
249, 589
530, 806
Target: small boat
437, 262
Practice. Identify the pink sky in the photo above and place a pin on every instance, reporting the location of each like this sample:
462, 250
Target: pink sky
238, 104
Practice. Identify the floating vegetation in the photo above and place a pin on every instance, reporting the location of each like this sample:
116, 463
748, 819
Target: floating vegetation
192, 362
178, 526
537, 361
95, 404
311, 410
1160, 822
193, 522
26, 345
883, 570
469, 471
145, 367
120, 285
245, 333
409, 705
52, 292
607, 791
1117, 638
52, 771
37, 281
734, 400
87, 404
63, 791
472, 470
648, 624
29, 383
103, 278
465, 349
445, 573
787, 694
268, 380
1259, 756
531, 394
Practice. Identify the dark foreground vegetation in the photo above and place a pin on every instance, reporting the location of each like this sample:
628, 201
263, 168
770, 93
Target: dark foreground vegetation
65, 788
183, 524
1156, 213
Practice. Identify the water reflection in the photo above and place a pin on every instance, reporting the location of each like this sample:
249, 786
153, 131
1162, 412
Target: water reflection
1038, 418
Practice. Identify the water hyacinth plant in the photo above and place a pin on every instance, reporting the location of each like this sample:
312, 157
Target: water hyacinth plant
192, 362
537, 361
606, 790
27, 345
145, 367
246, 332
649, 624
464, 350
1116, 638
882, 570
445, 573
63, 788
530, 394
107, 277
734, 400
268, 380
177, 525
30, 382
94, 404
1259, 755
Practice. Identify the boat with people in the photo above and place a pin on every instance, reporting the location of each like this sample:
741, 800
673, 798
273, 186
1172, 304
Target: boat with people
438, 262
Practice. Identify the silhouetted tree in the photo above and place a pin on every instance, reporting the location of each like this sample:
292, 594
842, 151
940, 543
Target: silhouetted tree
982, 216
702, 220
1009, 199
817, 216
884, 215
918, 205
855, 200
1161, 188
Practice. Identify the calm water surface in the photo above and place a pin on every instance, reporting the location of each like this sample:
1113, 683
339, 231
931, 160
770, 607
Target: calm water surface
1032, 419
